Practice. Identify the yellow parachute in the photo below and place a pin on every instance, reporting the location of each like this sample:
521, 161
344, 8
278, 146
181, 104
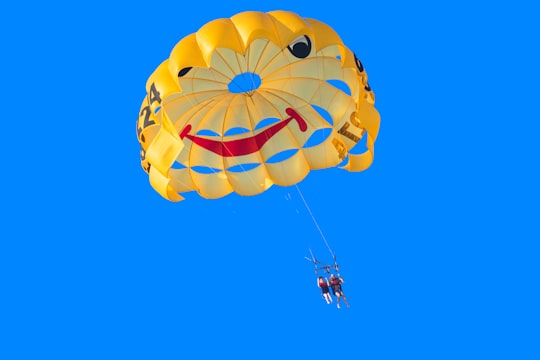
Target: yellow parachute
251, 101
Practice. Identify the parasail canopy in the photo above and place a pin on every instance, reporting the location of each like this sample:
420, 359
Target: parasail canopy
251, 101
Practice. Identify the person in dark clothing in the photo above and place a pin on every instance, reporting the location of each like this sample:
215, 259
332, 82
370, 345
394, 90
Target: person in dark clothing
335, 284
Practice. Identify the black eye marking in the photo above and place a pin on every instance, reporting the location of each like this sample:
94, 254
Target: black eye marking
367, 87
358, 64
184, 71
300, 47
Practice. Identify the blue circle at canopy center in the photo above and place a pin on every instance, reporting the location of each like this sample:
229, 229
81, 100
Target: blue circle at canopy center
244, 83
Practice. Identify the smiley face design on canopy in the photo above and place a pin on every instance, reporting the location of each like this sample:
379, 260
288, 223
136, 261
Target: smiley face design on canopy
251, 101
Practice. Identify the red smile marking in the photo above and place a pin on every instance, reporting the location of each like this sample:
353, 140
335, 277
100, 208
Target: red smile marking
248, 145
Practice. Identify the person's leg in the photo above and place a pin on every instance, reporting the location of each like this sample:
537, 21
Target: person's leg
345, 299
323, 294
328, 298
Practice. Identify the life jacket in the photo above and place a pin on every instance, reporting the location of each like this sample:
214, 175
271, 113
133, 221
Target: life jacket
336, 283
323, 284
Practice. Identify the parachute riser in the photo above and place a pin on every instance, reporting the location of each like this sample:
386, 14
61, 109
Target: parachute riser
319, 265
326, 269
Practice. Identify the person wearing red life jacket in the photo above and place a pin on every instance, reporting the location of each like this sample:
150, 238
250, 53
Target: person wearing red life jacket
324, 286
335, 284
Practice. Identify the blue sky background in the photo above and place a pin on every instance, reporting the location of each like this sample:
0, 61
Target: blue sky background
437, 241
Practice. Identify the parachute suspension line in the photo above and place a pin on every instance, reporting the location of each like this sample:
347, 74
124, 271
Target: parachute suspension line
251, 179
315, 222
244, 170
